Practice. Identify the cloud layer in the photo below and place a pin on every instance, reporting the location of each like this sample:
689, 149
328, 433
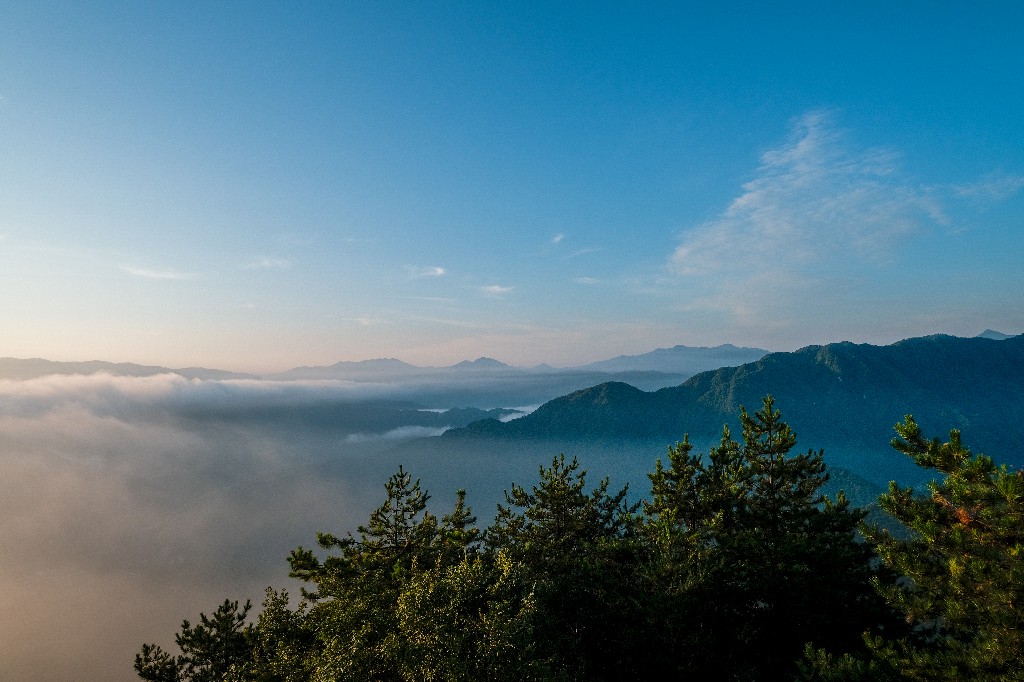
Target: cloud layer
150, 273
132, 503
816, 230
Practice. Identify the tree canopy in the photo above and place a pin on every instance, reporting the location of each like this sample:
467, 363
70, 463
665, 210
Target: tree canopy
734, 566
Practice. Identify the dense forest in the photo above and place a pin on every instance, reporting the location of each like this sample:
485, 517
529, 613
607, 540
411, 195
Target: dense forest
734, 566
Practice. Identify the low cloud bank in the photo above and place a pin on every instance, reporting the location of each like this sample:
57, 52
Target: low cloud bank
400, 433
132, 503
122, 396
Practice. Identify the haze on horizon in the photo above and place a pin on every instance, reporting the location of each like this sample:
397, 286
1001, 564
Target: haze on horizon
259, 187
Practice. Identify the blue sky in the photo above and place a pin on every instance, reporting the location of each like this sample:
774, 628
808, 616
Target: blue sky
256, 186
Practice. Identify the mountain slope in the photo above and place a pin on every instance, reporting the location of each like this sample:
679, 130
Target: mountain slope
843, 397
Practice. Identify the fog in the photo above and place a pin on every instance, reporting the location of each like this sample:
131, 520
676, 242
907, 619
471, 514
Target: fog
133, 503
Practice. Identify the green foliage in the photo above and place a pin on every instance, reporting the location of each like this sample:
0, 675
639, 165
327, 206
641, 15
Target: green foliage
579, 548
409, 598
282, 643
469, 621
738, 567
753, 561
400, 536
216, 648
963, 564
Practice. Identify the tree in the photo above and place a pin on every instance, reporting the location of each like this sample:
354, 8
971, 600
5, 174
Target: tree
473, 620
218, 647
752, 560
400, 535
694, 504
963, 566
410, 598
580, 549
283, 641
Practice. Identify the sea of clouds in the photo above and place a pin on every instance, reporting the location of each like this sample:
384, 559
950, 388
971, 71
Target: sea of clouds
130, 504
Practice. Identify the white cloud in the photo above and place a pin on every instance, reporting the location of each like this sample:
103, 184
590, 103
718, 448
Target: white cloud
821, 214
431, 271
269, 264
992, 187
496, 290
813, 198
557, 239
401, 433
582, 252
141, 501
586, 280
148, 273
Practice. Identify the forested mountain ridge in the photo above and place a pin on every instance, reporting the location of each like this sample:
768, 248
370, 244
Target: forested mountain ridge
843, 397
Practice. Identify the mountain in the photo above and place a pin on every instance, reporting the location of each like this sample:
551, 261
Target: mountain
483, 365
678, 362
32, 368
842, 397
486, 382
381, 369
994, 335
679, 359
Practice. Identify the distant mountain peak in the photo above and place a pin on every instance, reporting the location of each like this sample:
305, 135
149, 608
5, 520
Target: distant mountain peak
680, 359
374, 363
994, 335
843, 397
481, 363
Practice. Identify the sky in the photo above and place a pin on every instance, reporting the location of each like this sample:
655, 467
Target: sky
260, 185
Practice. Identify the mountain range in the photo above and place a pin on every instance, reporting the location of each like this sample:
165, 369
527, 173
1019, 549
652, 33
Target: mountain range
482, 383
676, 361
842, 397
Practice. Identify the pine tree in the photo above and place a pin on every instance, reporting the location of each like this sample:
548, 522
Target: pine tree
472, 620
580, 549
963, 566
753, 559
218, 647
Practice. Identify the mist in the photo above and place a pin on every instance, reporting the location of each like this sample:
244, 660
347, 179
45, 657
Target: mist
133, 503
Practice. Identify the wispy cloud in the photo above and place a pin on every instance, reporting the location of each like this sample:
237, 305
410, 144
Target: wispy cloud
496, 290
166, 274
418, 271
812, 198
992, 187
269, 264
557, 239
582, 252
586, 280
821, 214
401, 433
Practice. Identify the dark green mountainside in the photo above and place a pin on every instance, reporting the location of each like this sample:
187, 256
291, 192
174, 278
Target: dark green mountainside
842, 397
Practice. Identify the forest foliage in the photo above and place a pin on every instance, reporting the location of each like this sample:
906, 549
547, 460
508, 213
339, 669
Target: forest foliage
735, 566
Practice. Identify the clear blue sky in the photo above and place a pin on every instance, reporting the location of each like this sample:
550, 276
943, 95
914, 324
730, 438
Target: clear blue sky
257, 185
